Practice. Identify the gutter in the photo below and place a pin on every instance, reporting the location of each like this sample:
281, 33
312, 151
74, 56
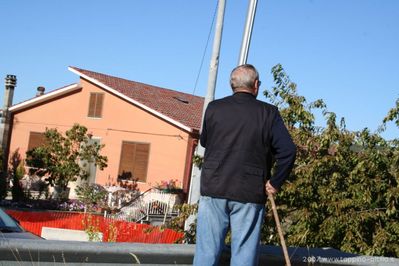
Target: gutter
191, 146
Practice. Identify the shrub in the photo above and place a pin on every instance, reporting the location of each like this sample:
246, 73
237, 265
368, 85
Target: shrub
93, 196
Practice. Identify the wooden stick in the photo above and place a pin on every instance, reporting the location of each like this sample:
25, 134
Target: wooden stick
280, 231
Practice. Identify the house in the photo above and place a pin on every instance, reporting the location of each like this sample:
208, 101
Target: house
148, 131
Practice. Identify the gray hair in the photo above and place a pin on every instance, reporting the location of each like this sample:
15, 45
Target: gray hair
243, 76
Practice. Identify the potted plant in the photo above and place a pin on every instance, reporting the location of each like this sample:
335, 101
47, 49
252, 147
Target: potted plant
169, 186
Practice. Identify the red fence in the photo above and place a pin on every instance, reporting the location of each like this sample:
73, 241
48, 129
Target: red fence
113, 230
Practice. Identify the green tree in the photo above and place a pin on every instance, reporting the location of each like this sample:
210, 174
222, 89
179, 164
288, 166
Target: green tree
3, 178
344, 189
63, 158
16, 173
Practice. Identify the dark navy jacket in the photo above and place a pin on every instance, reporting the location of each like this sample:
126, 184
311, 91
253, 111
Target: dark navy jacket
241, 136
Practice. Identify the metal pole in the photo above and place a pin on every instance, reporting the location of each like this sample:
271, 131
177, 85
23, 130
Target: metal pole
194, 192
246, 39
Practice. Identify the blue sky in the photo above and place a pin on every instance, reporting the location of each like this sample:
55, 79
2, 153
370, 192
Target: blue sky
343, 51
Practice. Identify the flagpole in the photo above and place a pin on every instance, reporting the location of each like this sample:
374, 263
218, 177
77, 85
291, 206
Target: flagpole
246, 39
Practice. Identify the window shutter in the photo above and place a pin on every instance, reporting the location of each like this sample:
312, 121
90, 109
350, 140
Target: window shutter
141, 161
134, 159
36, 139
92, 104
95, 105
127, 157
99, 105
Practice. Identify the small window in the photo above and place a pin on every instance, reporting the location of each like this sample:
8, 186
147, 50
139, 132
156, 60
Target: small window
96, 105
36, 139
134, 160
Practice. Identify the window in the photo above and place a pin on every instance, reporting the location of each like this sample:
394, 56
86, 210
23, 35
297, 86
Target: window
134, 159
96, 105
36, 139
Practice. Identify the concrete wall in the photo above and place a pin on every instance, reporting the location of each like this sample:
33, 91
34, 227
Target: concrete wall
47, 252
50, 233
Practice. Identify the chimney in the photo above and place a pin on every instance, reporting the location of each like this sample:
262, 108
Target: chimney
5, 131
40, 91
10, 84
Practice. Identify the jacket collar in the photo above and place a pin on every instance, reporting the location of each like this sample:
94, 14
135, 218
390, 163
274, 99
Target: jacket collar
243, 94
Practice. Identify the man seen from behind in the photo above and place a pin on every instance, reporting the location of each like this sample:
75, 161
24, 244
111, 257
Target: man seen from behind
241, 136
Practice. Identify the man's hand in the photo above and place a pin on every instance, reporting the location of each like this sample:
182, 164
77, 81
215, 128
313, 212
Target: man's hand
270, 189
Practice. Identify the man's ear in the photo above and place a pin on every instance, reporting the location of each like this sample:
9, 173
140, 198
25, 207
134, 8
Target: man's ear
256, 88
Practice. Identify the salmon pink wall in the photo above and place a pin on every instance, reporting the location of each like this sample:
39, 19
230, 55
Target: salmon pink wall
121, 121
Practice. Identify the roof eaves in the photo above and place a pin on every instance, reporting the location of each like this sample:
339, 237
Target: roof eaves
145, 107
45, 97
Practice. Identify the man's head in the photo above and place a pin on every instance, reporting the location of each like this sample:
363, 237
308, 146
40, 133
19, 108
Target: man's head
245, 78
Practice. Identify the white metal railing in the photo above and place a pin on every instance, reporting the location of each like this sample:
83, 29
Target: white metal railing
153, 201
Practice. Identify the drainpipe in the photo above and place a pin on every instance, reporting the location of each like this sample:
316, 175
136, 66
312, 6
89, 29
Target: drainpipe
191, 146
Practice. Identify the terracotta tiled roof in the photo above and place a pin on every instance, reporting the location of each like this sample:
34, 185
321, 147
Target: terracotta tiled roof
181, 107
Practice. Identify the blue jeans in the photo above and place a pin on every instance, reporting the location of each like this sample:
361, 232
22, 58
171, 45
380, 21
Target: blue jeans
214, 217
